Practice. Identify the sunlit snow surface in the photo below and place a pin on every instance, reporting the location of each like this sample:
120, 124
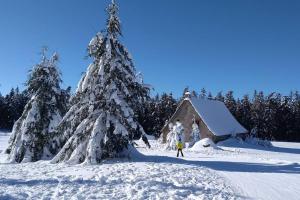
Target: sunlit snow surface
231, 171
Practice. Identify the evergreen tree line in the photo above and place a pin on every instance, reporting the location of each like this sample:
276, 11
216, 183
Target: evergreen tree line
272, 116
157, 111
11, 107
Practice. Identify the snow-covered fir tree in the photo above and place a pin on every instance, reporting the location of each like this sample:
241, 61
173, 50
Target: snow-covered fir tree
210, 96
171, 138
284, 118
167, 106
272, 104
103, 120
243, 112
176, 133
258, 115
11, 107
195, 132
219, 97
230, 102
194, 94
203, 93
31, 140
148, 117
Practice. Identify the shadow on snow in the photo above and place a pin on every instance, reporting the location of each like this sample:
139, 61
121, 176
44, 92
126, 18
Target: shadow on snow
272, 148
293, 168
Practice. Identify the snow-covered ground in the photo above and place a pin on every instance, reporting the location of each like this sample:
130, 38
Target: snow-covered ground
229, 171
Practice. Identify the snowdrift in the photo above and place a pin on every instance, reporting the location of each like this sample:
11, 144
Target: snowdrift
250, 142
204, 144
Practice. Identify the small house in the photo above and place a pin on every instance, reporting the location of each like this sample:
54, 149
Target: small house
213, 118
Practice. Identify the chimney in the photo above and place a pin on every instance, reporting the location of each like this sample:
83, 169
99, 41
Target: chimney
187, 95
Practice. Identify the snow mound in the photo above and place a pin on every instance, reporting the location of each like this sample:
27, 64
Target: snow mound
257, 141
231, 142
131, 153
202, 144
249, 142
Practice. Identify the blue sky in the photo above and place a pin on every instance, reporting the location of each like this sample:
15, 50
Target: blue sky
238, 45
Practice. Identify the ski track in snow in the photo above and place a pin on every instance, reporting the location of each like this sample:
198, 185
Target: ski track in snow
229, 171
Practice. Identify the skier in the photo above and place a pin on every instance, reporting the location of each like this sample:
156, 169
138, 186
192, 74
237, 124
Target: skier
179, 147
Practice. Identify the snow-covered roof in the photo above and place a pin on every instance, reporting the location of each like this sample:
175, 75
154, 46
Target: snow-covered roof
216, 116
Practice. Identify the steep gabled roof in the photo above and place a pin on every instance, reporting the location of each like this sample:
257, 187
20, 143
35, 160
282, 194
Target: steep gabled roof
215, 115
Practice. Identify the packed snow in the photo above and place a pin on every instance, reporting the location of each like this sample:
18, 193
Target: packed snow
229, 170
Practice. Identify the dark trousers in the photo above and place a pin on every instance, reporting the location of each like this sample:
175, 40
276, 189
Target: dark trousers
179, 150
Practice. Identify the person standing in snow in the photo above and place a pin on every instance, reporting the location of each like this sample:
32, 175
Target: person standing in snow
179, 146
179, 130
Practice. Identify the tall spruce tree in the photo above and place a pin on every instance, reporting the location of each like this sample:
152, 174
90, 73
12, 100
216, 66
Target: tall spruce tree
166, 106
220, 97
11, 108
272, 103
243, 112
258, 115
103, 119
30, 140
285, 125
150, 116
203, 93
210, 96
230, 102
